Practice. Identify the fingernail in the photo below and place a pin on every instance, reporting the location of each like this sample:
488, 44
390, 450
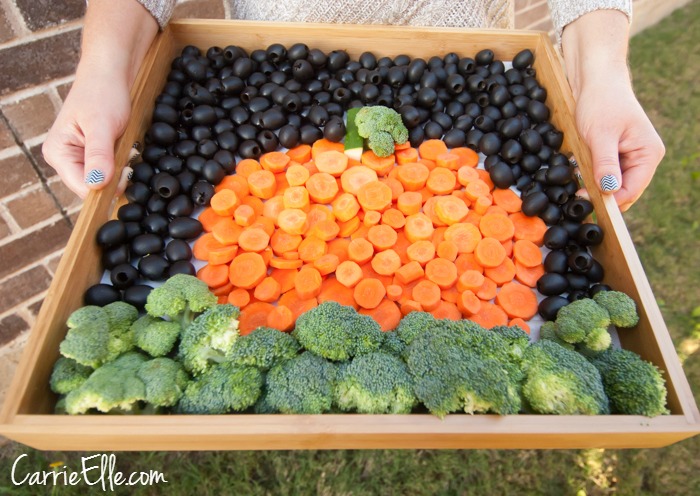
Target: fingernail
609, 183
95, 176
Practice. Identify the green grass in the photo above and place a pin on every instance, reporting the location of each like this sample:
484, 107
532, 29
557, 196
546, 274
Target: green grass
665, 226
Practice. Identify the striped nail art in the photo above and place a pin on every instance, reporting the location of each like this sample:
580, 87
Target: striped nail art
95, 176
609, 183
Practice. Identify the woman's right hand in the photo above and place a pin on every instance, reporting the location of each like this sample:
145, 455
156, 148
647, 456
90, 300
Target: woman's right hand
80, 144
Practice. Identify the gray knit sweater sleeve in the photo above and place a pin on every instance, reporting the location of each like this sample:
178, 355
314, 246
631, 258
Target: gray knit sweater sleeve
161, 10
565, 12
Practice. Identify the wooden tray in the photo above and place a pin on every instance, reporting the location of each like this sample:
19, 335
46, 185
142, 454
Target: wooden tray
27, 418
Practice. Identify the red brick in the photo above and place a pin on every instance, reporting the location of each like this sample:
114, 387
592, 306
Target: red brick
32, 207
33, 246
39, 61
32, 116
17, 173
23, 286
63, 89
52, 263
45, 169
35, 307
6, 31
532, 15
4, 228
6, 137
66, 198
10, 327
205, 9
39, 14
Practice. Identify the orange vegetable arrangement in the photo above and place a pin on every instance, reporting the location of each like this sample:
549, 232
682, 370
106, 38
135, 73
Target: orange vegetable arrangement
429, 233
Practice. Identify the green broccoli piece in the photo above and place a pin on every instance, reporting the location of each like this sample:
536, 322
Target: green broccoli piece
414, 324
548, 331
578, 319
392, 344
516, 341
303, 384
633, 385
68, 375
209, 339
155, 336
337, 332
263, 406
382, 127
112, 388
60, 406
598, 339
450, 374
622, 309
222, 388
120, 316
179, 298
561, 381
165, 381
263, 348
375, 383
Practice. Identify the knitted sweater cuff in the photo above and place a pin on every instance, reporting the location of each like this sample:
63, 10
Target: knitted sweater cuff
565, 12
161, 10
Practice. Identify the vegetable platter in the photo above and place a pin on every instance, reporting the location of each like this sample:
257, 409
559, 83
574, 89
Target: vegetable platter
28, 416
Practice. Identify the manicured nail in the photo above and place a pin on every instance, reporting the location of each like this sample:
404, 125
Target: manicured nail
95, 176
609, 183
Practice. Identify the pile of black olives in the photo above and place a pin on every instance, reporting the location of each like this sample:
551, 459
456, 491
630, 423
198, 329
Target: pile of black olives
228, 103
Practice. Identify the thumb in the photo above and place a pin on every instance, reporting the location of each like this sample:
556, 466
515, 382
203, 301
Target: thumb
606, 161
99, 158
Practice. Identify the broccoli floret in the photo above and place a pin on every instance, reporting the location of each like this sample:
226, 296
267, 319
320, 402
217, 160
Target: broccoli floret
155, 336
121, 338
414, 324
451, 374
303, 384
114, 387
516, 340
561, 381
209, 339
578, 319
622, 309
375, 383
178, 298
68, 375
165, 381
548, 331
337, 332
263, 348
392, 344
382, 127
598, 339
633, 385
222, 388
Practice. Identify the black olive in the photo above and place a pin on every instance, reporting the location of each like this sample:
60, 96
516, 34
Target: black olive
589, 234
310, 133
443, 119
130, 212
556, 262
137, 295
501, 175
177, 250
538, 111
534, 187
552, 284
207, 148
553, 139
426, 97
490, 143
184, 228
577, 294
513, 76
577, 281
570, 226
335, 109
578, 209
162, 133
416, 136
482, 99
415, 70
523, 59
155, 224
213, 172
112, 233
187, 179
545, 153
302, 70
182, 267
556, 238
512, 151
170, 164
484, 57
199, 133
248, 94
243, 67
455, 138
484, 123
165, 113
597, 288
491, 160
396, 77
559, 175
534, 203
256, 119
184, 149
557, 194
492, 112
239, 115
334, 129
292, 102
317, 115
273, 118
580, 261
156, 204
595, 273
530, 163
201, 193
424, 114
142, 173
137, 193
298, 51
166, 99
521, 102
232, 52
232, 86
464, 123
115, 256
123, 276
259, 104
246, 131
198, 94
473, 138
499, 95
523, 182
268, 140
317, 57
289, 136
531, 140
276, 52
195, 69
551, 214
165, 185
509, 110
497, 67
511, 128
101, 295
369, 93
337, 60
153, 267
368, 60
465, 66
433, 130
537, 93
180, 206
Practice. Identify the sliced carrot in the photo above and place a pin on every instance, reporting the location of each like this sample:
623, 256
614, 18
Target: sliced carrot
448, 160
470, 280
517, 300
418, 227
442, 272
297, 175
311, 167
345, 207
495, 209
374, 196
489, 252
348, 227
430, 164
354, 178
262, 184
225, 202
222, 290
332, 162
281, 318
409, 306
465, 236
473, 218
282, 242
394, 292
486, 178
208, 218
307, 282
253, 316
273, 207
318, 213
402, 146
292, 221
502, 274
508, 200
508, 246
360, 232
466, 174
312, 248
300, 153
326, 264
381, 165
237, 184
476, 188
386, 262
467, 156
448, 250
290, 255
427, 293
441, 181
409, 202
282, 263
450, 294
468, 303
401, 246
255, 203
410, 272
227, 232
264, 223
527, 253
429, 204
296, 197
490, 315
488, 290
413, 176
369, 293
324, 145
275, 161
214, 276
446, 310
467, 261
450, 209
348, 273
247, 270
325, 230
386, 314
253, 239
529, 228
382, 237
422, 251
285, 277
204, 245
482, 204
393, 218
247, 166
333, 290
296, 304
432, 148
239, 297
395, 185
406, 156
223, 255
371, 218
268, 290
496, 226
281, 183
528, 275
519, 323
322, 187
339, 247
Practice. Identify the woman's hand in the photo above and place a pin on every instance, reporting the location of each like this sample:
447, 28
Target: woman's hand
80, 144
625, 147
